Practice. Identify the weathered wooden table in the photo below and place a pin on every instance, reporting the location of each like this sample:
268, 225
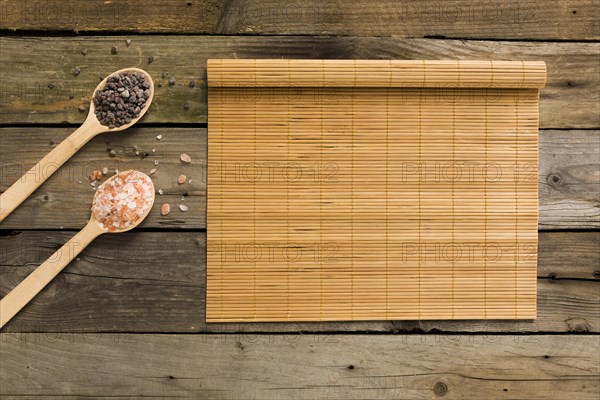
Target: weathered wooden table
127, 317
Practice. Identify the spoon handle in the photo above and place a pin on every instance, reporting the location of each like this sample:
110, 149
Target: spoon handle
28, 183
18, 298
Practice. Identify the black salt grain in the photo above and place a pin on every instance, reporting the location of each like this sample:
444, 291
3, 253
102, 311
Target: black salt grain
150, 59
114, 50
122, 99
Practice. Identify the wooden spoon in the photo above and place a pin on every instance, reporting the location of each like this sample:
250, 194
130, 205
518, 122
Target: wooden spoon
104, 210
38, 174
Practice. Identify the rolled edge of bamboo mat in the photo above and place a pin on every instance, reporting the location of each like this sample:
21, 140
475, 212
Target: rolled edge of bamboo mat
376, 73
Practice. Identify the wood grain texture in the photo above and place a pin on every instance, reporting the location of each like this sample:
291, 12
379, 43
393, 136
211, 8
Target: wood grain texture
301, 367
572, 156
64, 202
512, 19
30, 64
155, 282
574, 187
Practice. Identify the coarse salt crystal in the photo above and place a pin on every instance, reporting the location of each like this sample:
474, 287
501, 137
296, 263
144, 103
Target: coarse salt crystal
123, 200
158, 137
183, 207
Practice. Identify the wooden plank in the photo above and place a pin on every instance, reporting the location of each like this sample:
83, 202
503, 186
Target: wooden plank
511, 19
569, 192
64, 202
571, 156
30, 64
301, 367
155, 282
558, 250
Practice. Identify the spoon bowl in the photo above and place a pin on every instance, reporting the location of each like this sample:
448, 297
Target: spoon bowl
39, 173
91, 117
109, 204
120, 204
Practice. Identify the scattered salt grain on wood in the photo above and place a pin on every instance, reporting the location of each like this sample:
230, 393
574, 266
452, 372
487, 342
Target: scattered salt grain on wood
183, 207
160, 191
158, 137
104, 171
155, 162
181, 179
128, 42
185, 158
112, 153
152, 171
165, 209
95, 175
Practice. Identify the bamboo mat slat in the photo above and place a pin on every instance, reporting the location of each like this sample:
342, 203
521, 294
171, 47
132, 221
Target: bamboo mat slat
366, 190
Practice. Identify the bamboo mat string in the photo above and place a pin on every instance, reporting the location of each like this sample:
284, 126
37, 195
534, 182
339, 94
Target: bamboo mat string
517, 178
387, 196
287, 197
419, 164
453, 169
485, 199
254, 149
352, 133
320, 178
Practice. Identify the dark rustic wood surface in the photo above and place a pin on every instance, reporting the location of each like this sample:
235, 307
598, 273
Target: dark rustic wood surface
302, 367
126, 318
569, 166
569, 99
481, 19
155, 282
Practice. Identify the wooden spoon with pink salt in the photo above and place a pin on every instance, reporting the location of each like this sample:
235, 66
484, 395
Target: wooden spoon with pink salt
120, 204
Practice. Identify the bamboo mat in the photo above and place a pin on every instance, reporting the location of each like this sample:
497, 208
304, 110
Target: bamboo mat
369, 190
